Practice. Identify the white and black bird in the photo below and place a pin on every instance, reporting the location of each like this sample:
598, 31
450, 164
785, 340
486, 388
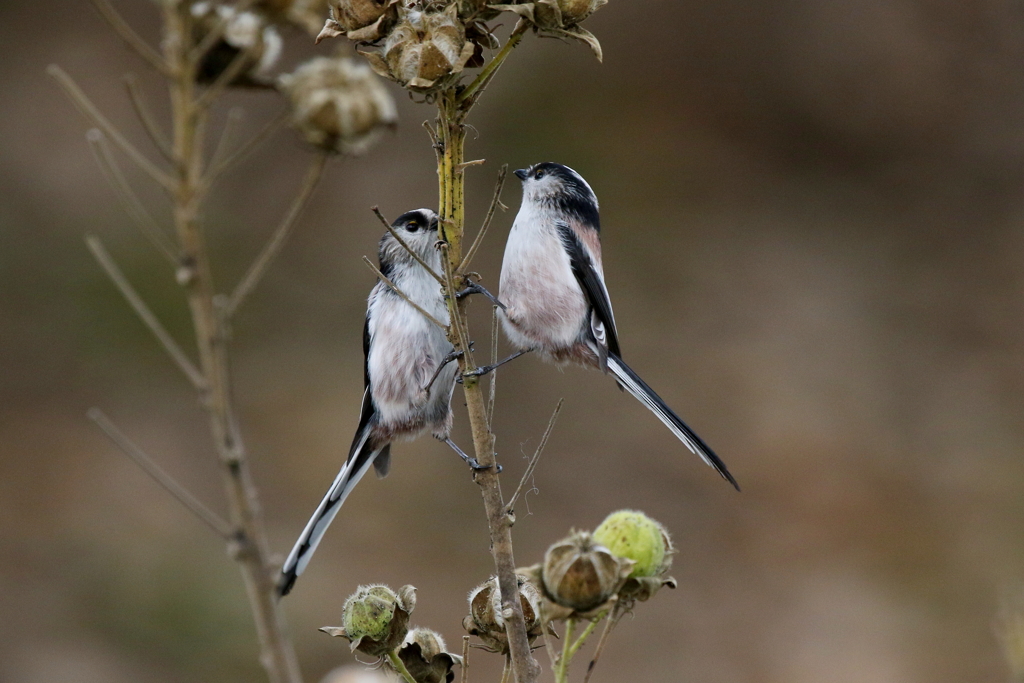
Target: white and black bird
408, 374
556, 302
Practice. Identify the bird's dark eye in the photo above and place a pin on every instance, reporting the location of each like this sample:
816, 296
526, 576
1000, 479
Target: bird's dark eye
412, 226
538, 175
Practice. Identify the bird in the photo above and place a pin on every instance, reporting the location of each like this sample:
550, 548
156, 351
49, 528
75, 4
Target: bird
553, 289
408, 374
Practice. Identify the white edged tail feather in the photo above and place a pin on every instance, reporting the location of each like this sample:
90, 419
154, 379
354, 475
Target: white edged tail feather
351, 472
643, 393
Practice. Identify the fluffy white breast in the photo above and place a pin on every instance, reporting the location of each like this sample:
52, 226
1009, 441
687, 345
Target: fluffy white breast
546, 307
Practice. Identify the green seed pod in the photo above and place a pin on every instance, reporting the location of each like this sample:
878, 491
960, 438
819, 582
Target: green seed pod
580, 574
634, 535
376, 619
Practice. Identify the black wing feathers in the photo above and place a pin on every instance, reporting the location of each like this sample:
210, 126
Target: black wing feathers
591, 283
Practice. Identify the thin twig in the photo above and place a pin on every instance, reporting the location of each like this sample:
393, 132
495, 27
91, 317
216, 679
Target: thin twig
495, 202
141, 310
586, 633
394, 288
458, 322
492, 383
128, 34
507, 671
217, 170
549, 644
464, 673
484, 78
98, 119
227, 136
608, 626
536, 456
461, 168
274, 246
404, 245
129, 200
157, 136
212, 519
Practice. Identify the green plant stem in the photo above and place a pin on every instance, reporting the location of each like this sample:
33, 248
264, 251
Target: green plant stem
562, 672
249, 545
399, 666
586, 634
474, 89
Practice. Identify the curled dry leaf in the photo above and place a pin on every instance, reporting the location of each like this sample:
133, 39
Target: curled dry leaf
425, 657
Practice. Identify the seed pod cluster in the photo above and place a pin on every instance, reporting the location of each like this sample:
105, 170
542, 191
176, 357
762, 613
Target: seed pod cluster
425, 44
338, 104
242, 31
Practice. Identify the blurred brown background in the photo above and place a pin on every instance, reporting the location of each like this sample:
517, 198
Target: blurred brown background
814, 239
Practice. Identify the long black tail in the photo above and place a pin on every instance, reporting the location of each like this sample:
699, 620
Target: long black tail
643, 393
353, 470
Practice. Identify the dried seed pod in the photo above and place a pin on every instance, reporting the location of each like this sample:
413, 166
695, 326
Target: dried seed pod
423, 49
559, 17
243, 32
425, 657
338, 103
376, 619
634, 535
364, 21
486, 618
580, 574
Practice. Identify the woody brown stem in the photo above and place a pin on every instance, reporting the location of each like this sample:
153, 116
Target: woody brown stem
249, 546
450, 134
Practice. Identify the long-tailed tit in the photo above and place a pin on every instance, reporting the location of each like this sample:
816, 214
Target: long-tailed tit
552, 284
408, 373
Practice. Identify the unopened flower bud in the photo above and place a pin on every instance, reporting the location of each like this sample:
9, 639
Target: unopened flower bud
580, 574
423, 49
243, 32
425, 657
634, 535
338, 104
376, 619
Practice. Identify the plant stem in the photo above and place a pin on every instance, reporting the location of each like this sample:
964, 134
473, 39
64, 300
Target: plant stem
249, 546
451, 137
586, 634
399, 666
563, 661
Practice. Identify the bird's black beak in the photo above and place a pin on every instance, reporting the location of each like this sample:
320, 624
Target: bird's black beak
522, 173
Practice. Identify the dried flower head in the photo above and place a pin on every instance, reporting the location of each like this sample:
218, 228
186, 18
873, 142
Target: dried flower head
375, 618
338, 103
425, 48
634, 535
244, 33
580, 574
425, 657
363, 21
560, 18
486, 618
